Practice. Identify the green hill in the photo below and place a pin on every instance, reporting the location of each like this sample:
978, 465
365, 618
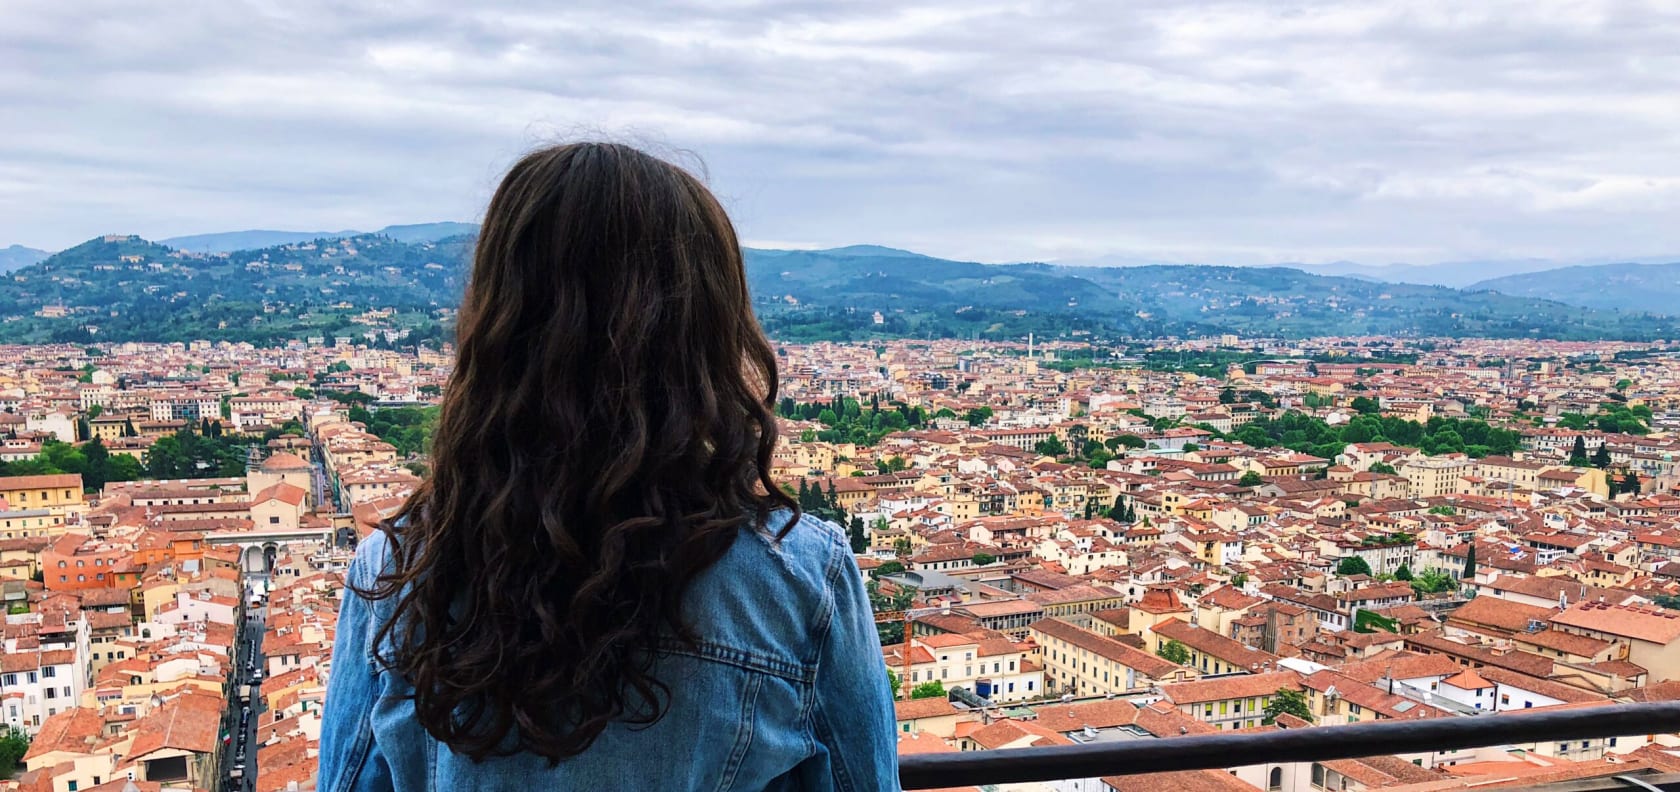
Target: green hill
1637, 287
816, 294
126, 288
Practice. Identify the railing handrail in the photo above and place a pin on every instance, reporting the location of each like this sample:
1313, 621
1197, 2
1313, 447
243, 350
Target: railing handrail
1318, 743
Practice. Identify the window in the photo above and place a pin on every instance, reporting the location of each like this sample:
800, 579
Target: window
52, 693
9, 679
1612, 742
1563, 747
49, 672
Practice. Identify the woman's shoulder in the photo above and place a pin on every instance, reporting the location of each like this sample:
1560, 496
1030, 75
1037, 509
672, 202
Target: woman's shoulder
774, 590
373, 556
806, 545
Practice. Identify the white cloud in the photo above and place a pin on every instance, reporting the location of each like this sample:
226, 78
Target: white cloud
1245, 131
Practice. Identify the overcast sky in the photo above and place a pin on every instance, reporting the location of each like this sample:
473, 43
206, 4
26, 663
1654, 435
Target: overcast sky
1234, 132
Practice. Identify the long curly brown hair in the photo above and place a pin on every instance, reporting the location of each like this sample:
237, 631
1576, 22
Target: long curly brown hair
605, 434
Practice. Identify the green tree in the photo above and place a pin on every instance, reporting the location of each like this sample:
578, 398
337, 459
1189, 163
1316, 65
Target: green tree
1623, 384
934, 689
1120, 441
1404, 573
1601, 456
1578, 453
1433, 581
984, 559
1352, 565
1365, 405
96, 466
14, 743
1250, 479
857, 535
1051, 446
1289, 701
1174, 652
894, 686
1239, 580
979, 416
1470, 564
1383, 468
124, 467
888, 568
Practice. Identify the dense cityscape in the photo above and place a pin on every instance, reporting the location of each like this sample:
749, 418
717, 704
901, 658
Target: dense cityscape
1084, 544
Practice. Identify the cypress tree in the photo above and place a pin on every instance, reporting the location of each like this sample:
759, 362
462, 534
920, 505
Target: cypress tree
1470, 563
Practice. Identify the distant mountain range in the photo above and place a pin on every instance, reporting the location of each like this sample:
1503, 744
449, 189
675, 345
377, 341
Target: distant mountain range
1637, 287
837, 293
16, 256
1457, 274
229, 241
317, 283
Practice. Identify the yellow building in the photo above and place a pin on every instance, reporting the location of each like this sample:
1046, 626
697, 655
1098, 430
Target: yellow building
22, 523
58, 493
1233, 702
1080, 662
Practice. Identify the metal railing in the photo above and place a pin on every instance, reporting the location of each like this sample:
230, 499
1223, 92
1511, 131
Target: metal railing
1220, 751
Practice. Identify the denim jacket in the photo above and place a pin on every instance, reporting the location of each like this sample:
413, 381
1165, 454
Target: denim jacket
786, 690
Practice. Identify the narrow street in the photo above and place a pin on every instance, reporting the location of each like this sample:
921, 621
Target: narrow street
242, 749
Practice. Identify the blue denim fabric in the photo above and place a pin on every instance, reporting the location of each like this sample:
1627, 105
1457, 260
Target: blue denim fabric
786, 690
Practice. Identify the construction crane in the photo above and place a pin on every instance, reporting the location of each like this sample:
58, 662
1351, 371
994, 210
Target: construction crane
906, 616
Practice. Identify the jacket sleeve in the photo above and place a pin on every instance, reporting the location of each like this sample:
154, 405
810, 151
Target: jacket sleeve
350, 760
853, 714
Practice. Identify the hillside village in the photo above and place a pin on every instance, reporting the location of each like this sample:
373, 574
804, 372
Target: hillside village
1065, 546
